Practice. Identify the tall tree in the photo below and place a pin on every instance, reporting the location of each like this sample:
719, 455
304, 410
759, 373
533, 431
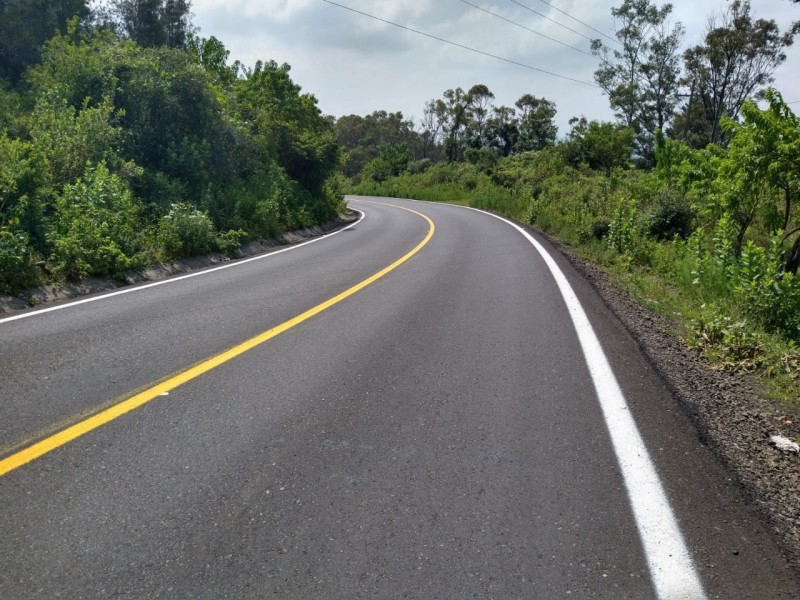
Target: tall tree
455, 106
479, 104
536, 127
503, 130
599, 145
26, 24
175, 17
735, 63
363, 137
153, 23
641, 78
430, 129
764, 161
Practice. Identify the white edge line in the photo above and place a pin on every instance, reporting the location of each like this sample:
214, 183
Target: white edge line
671, 567
138, 288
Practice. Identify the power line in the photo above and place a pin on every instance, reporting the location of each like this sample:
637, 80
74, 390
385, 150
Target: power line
488, 12
544, 16
463, 47
579, 21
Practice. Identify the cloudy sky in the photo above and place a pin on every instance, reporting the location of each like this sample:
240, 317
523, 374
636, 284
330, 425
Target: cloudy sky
355, 64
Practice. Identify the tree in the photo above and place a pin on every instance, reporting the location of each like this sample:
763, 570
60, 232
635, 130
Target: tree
26, 24
764, 159
212, 55
599, 145
641, 78
735, 63
175, 18
479, 102
503, 130
430, 129
392, 160
536, 127
455, 107
363, 137
153, 23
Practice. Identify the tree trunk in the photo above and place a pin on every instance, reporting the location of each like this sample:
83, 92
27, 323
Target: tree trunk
793, 258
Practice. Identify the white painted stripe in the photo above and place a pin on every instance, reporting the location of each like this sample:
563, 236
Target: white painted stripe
671, 568
139, 288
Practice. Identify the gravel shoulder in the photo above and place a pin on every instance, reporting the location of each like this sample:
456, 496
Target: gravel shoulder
730, 411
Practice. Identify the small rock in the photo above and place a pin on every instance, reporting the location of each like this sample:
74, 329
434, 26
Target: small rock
782, 443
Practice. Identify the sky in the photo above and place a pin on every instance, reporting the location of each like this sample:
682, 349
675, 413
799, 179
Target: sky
355, 64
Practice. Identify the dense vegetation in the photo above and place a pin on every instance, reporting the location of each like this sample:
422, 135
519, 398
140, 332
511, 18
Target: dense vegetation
690, 198
127, 139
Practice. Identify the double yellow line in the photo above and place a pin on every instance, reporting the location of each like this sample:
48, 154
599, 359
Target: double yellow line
75, 431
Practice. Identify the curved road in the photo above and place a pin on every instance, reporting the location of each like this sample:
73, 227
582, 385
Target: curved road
438, 431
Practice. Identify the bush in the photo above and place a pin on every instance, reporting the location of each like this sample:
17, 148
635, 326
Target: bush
230, 241
766, 292
186, 231
419, 166
96, 228
729, 339
16, 266
671, 216
483, 158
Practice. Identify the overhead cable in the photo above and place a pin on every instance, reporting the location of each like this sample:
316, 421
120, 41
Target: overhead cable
544, 16
488, 12
579, 21
462, 46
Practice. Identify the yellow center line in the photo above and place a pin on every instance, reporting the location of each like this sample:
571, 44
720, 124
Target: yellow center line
75, 431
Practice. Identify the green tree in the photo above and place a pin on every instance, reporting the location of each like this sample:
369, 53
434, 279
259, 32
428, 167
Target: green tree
764, 162
641, 77
70, 138
478, 111
291, 127
212, 55
26, 24
503, 130
735, 63
430, 131
363, 137
599, 145
153, 23
455, 109
537, 129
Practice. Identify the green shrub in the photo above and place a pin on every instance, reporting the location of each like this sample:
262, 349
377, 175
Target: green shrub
230, 241
728, 339
419, 166
622, 228
766, 292
672, 216
96, 227
186, 231
16, 265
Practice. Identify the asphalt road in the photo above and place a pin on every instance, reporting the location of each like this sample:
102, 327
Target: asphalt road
436, 433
